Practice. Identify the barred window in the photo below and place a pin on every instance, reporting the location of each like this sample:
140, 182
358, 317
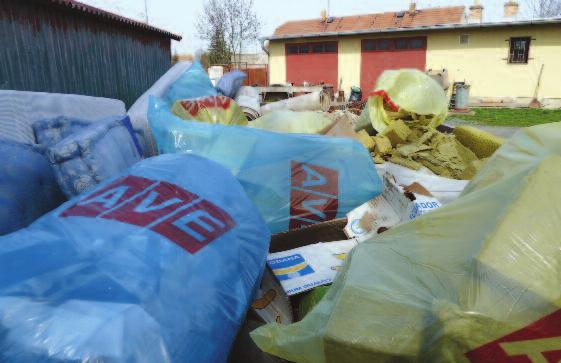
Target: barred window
519, 50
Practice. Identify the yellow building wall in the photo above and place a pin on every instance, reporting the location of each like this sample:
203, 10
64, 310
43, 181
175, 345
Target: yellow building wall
348, 61
277, 63
483, 62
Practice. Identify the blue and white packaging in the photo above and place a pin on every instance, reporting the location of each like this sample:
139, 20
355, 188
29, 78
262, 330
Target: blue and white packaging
295, 180
304, 268
396, 205
94, 154
158, 264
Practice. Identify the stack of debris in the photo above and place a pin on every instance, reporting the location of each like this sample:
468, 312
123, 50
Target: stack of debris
399, 124
134, 250
413, 145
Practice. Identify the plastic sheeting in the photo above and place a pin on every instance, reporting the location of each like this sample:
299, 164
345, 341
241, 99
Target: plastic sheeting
211, 109
401, 93
475, 281
183, 80
20, 109
28, 188
156, 265
249, 100
304, 122
229, 84
295, 180
315, 101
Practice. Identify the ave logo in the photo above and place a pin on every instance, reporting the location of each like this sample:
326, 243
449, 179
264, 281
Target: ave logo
175, 213
194, 106
539, 342
314, 194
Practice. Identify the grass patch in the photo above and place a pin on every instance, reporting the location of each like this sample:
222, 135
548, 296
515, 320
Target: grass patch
518, 117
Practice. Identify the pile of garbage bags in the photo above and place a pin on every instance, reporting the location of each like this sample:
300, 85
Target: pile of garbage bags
149, 266
474, 281
168, 232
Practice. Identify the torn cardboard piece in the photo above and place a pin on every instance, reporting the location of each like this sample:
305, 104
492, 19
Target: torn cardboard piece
271, 303
444, 189
342, 125
396, 205
301, 269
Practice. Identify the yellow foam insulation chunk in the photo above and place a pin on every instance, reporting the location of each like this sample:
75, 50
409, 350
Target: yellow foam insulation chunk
365, 140
482, 143
383, 145
397, 132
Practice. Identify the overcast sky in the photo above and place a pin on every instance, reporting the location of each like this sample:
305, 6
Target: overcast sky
179, 16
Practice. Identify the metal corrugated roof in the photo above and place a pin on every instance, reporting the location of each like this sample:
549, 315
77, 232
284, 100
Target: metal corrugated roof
107, 15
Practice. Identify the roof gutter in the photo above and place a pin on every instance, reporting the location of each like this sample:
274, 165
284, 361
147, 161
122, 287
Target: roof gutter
421, 28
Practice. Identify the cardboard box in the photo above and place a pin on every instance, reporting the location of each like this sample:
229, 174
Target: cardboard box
395, 205
304, 268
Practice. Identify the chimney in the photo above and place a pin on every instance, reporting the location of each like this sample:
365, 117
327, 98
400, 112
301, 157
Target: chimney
476, 12
323, 16
412, 7
511, 9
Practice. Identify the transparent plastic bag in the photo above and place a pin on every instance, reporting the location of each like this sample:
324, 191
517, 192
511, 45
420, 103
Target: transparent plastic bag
159, 264
404, 94
305, 122
478, 280
294, 180
212, 109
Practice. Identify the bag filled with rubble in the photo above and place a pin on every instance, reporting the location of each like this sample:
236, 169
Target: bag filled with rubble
158, 264
405, 94
478, 280
295, 180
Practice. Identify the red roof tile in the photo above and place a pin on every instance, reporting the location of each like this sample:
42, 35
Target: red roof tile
374, 22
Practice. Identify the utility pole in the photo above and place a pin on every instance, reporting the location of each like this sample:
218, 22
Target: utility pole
146, 10
328, 10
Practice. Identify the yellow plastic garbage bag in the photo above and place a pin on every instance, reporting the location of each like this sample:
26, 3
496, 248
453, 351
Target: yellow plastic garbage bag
306, 122
405, 94
522, 152
211, 109
478, 280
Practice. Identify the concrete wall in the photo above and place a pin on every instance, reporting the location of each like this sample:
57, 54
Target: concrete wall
483, 62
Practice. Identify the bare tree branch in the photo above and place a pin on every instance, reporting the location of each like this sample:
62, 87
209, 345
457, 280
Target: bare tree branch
544, 8
235, 19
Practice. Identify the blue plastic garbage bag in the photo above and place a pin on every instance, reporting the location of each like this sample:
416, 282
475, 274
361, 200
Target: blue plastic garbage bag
193, 83
96, 153
28, 188
229, 84
158, 264
295, 180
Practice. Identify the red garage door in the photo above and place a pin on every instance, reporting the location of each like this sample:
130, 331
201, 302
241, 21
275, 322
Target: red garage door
311, 62
379, 55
